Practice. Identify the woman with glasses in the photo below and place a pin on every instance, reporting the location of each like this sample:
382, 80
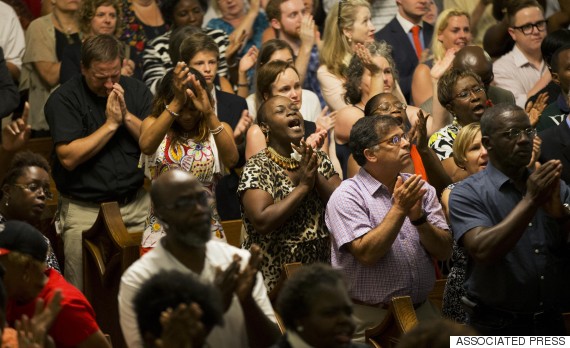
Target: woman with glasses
183, 132
348, 23
283, 192
462, 93
25, 192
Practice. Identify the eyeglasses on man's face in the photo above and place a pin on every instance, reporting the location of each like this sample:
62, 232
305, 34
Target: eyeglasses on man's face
394, 140
527, 28
34, 187
466, 93
515, 133
189, 201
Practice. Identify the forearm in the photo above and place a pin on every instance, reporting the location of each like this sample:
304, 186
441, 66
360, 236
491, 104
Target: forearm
242, 84
375, 244
277, 214
302, 61
48, 72
79, 151
540, 84
154, 130
487, 245
436, 241
476, 16
325, 187
261, 331
133, 125
14, 71
439, 116
247, 23
226, 146
437, 175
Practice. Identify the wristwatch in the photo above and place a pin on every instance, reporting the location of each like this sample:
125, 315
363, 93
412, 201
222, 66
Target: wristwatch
421, 220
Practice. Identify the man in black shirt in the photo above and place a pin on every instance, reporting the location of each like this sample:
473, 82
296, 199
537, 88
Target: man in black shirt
95, 122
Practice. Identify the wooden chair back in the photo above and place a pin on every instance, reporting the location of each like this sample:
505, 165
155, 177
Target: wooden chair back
108, 250
401, 318
436, 294
232, 228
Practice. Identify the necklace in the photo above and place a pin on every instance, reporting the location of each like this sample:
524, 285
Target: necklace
67, 32
281, 161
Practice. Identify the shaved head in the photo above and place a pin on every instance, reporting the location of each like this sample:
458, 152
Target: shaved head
474, 58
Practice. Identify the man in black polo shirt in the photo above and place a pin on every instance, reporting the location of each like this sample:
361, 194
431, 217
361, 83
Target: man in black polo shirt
94, 121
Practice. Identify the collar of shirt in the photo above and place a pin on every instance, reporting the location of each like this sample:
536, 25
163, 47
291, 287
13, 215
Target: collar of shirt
372, 185
498, 178
295, 340
406, 24
562, 104
520, 60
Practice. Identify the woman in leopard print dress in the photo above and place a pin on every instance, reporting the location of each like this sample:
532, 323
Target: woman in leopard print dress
283, 197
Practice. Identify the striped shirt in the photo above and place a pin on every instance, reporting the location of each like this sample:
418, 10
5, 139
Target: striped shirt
156, 60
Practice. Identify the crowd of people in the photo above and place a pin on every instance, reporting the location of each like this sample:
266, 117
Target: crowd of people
383, 144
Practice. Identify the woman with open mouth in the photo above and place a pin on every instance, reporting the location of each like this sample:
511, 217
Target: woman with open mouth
462, 93
284, 190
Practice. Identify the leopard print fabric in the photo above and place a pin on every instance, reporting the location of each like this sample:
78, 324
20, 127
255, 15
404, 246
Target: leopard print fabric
304, 237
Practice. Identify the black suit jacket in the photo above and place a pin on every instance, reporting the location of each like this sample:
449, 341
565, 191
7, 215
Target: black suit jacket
230, 107
556, 145
403, 51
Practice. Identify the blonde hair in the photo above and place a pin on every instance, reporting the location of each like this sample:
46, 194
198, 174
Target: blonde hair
442, 21
462, 142
335, 44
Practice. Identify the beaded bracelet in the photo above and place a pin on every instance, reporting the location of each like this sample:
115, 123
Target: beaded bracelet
217, 130
174, 114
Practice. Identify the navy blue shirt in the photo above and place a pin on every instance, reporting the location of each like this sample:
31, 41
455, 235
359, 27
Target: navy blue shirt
531, 276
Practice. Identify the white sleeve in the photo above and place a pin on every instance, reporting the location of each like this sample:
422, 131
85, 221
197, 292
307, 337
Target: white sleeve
127, 315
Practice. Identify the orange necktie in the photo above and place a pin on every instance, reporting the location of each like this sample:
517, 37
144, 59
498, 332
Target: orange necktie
416, 37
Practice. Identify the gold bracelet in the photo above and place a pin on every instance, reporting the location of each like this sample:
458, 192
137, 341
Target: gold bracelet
174, 114
217, 130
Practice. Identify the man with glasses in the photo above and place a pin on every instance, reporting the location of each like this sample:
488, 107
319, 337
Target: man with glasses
180, 202
386, 226
523, 71
514, 225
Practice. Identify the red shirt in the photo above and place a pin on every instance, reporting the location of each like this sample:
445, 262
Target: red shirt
76, 320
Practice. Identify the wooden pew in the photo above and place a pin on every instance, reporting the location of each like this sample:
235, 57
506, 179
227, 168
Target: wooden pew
401, 318
232, 228
108, 250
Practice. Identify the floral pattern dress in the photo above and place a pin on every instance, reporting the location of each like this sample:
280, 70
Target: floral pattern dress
442, 141
201, 159
304, 237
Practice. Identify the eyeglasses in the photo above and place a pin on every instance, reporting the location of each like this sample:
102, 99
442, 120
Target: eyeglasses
516, 133
527, 28
466, 93
189, 201
385, 107
34, 187
394, 140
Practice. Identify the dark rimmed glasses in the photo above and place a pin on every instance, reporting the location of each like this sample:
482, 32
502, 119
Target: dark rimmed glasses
527, 28
394, 140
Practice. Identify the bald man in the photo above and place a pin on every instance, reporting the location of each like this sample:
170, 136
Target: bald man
179, 200
476, 59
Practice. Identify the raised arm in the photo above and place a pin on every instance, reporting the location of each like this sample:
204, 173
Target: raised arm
265, 214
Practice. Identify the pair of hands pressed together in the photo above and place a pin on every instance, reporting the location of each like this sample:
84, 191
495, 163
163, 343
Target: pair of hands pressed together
116, 109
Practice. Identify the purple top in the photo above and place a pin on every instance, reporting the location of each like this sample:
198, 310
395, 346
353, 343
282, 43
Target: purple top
359, 205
